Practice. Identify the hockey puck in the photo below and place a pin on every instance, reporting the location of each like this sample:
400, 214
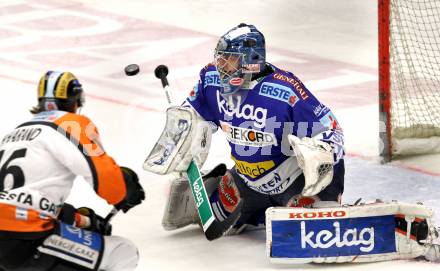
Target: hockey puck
131, 69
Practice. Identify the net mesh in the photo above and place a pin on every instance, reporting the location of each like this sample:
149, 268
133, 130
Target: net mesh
415, 68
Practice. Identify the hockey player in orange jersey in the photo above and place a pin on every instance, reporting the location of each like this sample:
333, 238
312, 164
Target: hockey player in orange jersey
39, 161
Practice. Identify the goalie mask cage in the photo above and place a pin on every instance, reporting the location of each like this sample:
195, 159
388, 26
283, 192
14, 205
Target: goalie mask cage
409, 77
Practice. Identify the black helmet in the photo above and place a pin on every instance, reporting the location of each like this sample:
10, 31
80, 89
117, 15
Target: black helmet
59, 91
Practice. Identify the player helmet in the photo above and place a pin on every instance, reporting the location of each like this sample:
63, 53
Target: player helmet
59, 91
239, 54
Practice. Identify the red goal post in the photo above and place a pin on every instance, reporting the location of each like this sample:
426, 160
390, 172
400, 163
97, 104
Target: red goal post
409, 77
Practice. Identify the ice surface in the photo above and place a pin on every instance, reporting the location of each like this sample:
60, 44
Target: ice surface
330, 45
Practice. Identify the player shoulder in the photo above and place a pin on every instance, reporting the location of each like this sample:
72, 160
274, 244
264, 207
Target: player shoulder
81, 128
279, 90
209, 76
64, 119
209, 67
281, 82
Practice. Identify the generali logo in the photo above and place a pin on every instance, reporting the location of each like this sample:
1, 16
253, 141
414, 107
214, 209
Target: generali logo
321, 214
294, 83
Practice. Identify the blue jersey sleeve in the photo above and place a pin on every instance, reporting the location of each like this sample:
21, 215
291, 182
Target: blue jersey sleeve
198, 97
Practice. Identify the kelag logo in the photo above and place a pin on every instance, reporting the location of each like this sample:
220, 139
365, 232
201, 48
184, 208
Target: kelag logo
279, 92
333, 237
245, 111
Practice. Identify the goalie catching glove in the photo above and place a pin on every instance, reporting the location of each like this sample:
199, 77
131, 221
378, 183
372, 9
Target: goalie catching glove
315, 158
186, 136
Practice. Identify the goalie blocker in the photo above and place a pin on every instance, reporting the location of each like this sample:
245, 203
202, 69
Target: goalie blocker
365, 233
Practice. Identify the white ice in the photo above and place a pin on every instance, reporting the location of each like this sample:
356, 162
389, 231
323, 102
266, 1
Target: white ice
336, 38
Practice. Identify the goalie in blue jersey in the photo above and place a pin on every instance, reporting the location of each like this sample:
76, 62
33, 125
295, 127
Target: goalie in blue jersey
288, 147
288, 150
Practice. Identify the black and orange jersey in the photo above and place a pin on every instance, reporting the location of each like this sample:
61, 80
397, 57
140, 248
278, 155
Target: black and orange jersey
39, 161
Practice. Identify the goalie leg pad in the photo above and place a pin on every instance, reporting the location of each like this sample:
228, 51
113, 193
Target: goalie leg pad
180, 209
300, 201
365, 233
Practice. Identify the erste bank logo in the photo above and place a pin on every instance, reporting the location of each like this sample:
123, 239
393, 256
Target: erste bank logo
279, 92
212, 78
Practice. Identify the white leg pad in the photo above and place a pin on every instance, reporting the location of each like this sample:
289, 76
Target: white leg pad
120, 254
180, 209
364, 233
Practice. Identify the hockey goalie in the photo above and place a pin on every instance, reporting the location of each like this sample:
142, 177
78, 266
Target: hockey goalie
288, 150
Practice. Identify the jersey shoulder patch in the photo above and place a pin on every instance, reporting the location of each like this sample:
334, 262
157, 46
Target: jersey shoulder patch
277, 91
292, 81
210, 76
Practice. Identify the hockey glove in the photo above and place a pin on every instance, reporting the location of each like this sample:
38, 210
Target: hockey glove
95, 222
135, 193
84, 218
67, 214
315, 158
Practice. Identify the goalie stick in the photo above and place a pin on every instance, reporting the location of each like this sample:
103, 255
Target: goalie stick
212, 228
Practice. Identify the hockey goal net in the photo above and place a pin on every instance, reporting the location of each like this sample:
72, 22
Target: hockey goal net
409, 76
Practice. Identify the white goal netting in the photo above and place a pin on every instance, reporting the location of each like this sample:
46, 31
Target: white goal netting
415, 76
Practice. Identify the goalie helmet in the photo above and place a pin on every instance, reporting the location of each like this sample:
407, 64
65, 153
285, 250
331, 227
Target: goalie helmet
59, 91
239, 54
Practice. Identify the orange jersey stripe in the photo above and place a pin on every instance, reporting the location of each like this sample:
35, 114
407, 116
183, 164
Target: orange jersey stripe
31, 222
412, 237
108, 179
416, 219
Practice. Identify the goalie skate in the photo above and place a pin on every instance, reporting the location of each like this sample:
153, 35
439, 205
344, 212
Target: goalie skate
433, 243
180, 209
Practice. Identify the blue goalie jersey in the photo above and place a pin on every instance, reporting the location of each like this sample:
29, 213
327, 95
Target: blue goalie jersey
256, 123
